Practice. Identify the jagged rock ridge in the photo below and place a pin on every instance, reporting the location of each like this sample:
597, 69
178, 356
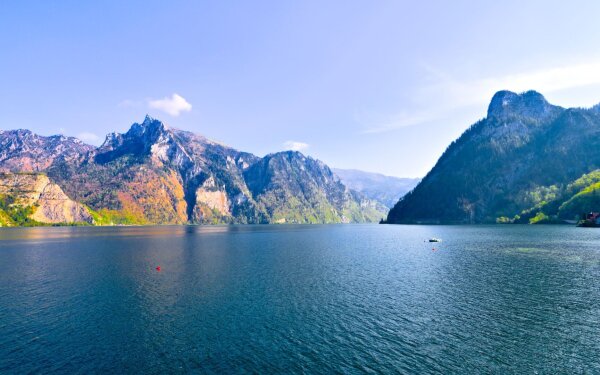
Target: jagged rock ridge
157, 174
24, 151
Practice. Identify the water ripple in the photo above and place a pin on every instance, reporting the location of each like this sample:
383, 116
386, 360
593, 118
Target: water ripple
300, 299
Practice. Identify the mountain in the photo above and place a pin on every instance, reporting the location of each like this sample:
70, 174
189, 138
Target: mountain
154, 174
378, 187
518, 156
22, 150
292, 187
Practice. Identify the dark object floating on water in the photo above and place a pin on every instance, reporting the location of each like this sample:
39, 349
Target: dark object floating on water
435, 239
591, 220
158, 268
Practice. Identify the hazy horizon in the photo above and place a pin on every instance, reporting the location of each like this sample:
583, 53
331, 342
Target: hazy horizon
383, 87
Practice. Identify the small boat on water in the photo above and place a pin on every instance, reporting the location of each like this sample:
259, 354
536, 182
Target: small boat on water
435, 239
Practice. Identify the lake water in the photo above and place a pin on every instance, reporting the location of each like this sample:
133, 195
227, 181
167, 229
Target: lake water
291, 299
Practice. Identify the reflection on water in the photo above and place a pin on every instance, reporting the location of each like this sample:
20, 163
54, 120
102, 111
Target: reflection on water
51, 233
58, 233
339, 298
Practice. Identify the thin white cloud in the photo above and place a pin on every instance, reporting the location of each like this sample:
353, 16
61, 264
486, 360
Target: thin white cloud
295, 146
128, 103
88, 137
173, 105
400, 120
445, 96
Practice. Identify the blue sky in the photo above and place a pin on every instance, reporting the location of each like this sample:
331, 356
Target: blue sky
382, 86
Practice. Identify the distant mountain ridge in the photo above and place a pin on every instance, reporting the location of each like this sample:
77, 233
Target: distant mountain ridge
154, 174
381, 188
22, 150
507, 164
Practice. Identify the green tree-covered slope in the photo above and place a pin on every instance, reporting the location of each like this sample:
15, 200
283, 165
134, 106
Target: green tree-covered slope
524, 149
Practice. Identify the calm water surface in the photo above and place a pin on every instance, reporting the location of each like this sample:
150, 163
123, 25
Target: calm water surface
292, 299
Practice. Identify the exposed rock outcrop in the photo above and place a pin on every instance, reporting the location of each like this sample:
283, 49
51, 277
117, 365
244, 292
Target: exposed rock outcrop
50, 204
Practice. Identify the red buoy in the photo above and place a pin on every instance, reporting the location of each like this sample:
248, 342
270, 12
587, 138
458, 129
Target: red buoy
158, 268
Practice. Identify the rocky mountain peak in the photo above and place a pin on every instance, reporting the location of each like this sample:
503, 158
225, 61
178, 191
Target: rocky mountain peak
517, 158
529, 104
297, 159
138, 140
20, 136
287, 155
149, 128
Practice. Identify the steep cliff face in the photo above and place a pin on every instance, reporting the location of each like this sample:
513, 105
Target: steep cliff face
498, 167
46, 200
156, 174
212, 203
